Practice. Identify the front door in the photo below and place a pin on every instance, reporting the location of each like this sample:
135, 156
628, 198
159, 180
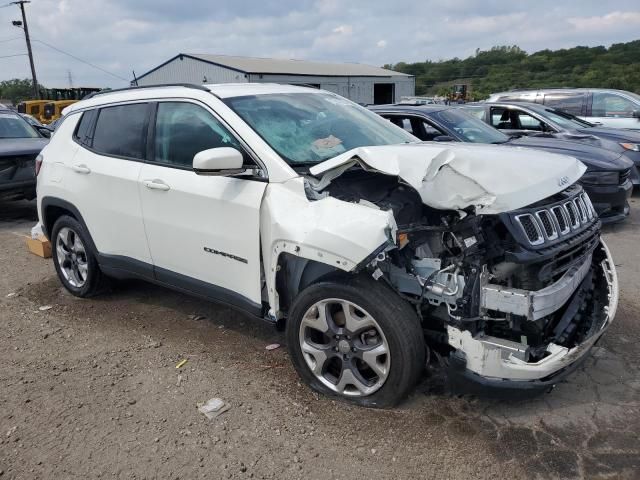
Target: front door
203, 231
614, 111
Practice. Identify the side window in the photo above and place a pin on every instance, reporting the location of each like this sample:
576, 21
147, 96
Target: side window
402, 122
35, 110
83, 130
527, 122
501, 119
184, 129
611, 105
430, 132
572, 103
122, 130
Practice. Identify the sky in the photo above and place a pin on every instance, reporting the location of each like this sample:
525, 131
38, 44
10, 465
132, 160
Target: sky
121, 36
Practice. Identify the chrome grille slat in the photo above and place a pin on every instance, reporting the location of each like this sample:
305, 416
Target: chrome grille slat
552, 223
548, 225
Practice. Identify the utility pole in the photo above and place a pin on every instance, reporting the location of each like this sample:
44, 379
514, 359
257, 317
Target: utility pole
36, 91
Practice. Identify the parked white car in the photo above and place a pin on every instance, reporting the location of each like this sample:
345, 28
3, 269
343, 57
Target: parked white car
371, 248
602, 106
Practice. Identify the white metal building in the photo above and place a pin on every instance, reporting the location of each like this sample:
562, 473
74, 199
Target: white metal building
361, 83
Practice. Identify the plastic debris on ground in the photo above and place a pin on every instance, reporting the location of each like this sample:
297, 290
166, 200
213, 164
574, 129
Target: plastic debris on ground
213, 407
45, 308
181, 363
12, 294
272, 346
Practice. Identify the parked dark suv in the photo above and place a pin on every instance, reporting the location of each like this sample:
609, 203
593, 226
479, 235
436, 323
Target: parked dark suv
20, 143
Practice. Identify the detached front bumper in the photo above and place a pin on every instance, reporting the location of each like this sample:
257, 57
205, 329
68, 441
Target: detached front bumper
497, 362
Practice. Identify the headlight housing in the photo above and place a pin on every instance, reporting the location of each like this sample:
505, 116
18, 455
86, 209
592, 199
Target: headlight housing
634, 147
601, 178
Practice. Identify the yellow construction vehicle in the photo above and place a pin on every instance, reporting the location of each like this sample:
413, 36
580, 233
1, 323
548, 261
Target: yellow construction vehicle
461, 93
53, 110
35, 108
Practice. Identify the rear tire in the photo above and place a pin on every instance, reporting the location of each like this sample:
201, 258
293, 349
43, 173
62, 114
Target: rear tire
74, 261
356, 340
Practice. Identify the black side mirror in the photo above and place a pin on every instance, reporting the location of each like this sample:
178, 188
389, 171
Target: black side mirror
636, 114
444, 138
44, 131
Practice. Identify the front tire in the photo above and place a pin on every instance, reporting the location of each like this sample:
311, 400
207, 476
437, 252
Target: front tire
75, 263
356, 340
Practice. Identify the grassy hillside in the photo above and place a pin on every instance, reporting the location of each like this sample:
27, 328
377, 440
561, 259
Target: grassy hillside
507, 67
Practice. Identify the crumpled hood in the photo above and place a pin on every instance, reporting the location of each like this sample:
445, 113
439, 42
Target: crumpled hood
453, 176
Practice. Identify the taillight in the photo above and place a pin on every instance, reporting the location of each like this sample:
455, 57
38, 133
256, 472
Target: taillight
38, 163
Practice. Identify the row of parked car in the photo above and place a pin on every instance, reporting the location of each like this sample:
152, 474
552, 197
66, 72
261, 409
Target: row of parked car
612, 156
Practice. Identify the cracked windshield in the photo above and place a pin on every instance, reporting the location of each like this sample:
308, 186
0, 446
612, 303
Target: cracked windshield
309, 128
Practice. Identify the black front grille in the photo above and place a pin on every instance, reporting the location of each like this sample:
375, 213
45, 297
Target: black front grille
573, 219
530, 228
547, 224
562, 223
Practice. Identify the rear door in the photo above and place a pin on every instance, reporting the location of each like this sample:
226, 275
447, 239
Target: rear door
203, 231
102, 180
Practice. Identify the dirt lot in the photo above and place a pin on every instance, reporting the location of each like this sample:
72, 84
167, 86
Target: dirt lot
90, 389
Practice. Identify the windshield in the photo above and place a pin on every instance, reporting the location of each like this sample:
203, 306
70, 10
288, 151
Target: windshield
635, 96
566, 120
309, 128
468, 127
12, 126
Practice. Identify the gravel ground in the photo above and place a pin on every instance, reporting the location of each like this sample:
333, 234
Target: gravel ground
90, 389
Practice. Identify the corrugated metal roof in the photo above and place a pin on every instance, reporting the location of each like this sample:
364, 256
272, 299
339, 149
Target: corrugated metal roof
257, 65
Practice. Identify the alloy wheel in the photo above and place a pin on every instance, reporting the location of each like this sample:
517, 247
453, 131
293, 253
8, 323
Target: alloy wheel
72, 257
344, 347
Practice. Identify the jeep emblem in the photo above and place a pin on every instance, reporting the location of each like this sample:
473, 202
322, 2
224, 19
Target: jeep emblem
563, 181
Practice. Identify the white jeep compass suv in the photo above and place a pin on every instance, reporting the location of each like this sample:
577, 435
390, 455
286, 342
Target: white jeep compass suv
371, 248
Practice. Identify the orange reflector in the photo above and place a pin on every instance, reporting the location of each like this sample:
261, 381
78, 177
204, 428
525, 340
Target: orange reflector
403, 239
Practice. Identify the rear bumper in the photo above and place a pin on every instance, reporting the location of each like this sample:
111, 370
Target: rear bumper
496, 362
610, 201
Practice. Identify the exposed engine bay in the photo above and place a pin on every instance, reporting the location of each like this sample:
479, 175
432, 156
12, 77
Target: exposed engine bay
512, 294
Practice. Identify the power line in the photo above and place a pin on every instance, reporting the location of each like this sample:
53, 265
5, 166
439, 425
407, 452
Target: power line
16, 55
81, 60
9, 39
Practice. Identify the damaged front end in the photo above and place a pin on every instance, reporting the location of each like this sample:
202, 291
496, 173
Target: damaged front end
513, 298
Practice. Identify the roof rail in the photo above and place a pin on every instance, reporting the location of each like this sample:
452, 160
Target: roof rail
139, 87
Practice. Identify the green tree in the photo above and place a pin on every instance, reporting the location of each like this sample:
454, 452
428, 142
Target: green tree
17, 90
505, 67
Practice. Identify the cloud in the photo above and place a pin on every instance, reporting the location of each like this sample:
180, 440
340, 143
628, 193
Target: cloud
124, 35
343, 30
610, 21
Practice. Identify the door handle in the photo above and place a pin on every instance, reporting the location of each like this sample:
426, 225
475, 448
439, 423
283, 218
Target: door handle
156, 185
82, 168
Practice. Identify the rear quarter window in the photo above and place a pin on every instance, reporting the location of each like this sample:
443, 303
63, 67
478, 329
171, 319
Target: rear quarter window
83, 132
121, 131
